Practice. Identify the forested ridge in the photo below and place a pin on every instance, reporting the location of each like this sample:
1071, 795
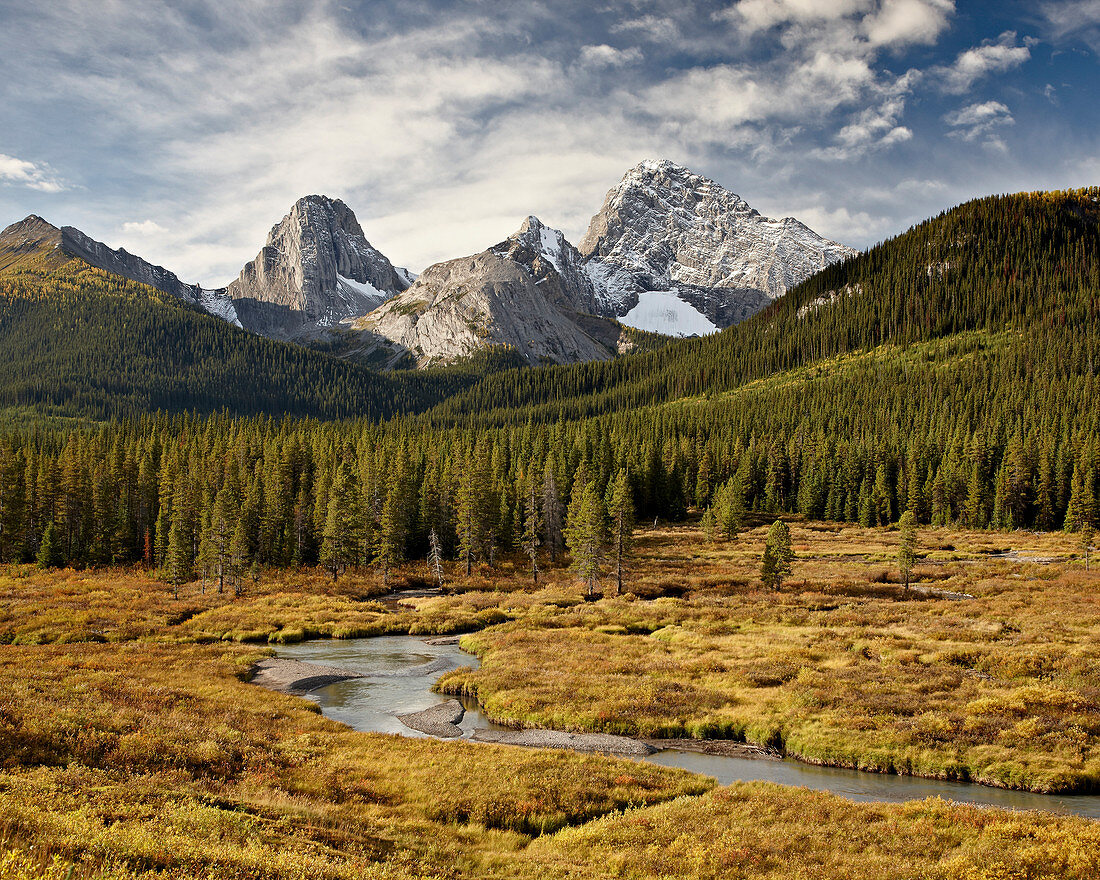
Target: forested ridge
951, 372
1029, 261
79, 341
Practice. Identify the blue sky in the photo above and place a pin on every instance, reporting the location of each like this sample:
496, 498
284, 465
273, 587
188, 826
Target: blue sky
184, 130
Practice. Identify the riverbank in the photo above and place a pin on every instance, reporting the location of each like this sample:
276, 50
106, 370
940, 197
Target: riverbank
295, 677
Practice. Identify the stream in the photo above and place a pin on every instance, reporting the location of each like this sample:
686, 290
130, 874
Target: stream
400, 671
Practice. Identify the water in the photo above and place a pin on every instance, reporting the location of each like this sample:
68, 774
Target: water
400, 672
402, 669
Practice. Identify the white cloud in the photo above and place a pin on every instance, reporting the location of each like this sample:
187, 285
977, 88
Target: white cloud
608, 56
979, 122
1070, 19
655, 28
876, 23
764, 14
33, 176
991, 57
714, 103
143, 227
872, 128
907, 22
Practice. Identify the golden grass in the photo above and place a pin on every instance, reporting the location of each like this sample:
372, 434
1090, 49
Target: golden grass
841, 668
761, 831
130, 745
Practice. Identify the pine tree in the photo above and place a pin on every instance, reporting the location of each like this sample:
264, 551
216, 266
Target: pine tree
393, 526
1087, 537
1081, 508
707, 523
620, 511
585, 536
907, 547
435, 558
729, 509
343, 522
553, 537
776, 564
51, 553
177, 558
532, 524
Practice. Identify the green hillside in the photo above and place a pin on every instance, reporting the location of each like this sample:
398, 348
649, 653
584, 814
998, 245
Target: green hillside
1029, 262
79, 341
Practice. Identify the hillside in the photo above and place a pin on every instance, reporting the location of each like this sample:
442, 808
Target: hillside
82, 341
1029, 262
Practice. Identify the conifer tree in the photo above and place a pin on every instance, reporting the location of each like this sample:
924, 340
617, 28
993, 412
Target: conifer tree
553, 537
776, 564
532, 524
907, 546
435, 558
585, 535
343, 522
51, 553
177, 557
620, 511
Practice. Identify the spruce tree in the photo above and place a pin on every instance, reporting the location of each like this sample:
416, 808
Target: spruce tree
343, 522
532, 524
776, 563
585, 536
51, 553
435, 558
620, 510
553, 537
907, 546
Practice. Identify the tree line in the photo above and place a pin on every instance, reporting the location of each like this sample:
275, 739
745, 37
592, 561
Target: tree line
219, 494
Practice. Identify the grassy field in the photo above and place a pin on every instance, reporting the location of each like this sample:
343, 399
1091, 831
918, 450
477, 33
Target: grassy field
131, 744
988, 669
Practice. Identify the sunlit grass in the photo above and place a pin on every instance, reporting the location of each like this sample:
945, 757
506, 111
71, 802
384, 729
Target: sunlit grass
131, 744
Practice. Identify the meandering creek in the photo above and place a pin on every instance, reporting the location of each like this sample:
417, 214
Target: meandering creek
399, 672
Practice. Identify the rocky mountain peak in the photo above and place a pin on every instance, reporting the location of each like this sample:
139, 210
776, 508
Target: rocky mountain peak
316, 269
553, 263
666, 229
32, 238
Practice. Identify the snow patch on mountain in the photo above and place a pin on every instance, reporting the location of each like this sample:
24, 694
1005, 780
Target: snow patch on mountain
218, 304
660, 311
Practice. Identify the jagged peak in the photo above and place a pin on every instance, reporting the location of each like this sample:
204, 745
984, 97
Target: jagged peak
304, 213
320, 199
531, 222
32, 224
660, 166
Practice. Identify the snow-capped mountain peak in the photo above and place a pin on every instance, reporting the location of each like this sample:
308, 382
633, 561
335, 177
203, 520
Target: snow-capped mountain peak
666, 228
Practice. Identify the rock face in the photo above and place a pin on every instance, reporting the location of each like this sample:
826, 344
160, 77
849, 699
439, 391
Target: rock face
529, 292
35, 235
670, 252
663, 229
316, 270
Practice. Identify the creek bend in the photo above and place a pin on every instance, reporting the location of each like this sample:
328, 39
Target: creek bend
399, 671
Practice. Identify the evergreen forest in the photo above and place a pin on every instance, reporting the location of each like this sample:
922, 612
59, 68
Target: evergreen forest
950, 372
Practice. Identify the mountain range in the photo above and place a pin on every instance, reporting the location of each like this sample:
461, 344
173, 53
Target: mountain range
669, 252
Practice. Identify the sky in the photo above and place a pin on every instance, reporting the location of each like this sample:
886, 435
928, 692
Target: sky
183, 130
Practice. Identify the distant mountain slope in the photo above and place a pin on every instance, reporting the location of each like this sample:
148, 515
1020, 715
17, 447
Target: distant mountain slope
78, 340
528, 293
665, 230
1027, 262
316, 270
33, 236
